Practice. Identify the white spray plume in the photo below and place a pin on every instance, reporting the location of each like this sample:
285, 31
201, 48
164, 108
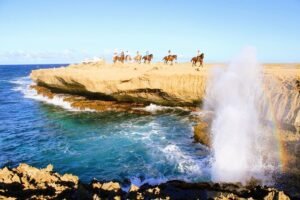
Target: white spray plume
239, 142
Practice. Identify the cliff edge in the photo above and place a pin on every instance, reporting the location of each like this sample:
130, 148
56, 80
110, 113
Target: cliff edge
176, 85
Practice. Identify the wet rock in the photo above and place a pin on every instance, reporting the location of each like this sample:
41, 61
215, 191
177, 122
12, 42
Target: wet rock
96, 185
43, 91
85, 103
227, 197
276, 195
201, 133
133, 188
107, 190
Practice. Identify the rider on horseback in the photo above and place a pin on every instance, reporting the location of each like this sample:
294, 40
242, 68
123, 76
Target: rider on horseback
115, 53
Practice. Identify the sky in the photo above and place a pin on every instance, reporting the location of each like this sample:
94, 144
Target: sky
67, 31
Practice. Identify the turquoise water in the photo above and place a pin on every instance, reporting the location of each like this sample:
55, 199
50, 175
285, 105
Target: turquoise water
107, 146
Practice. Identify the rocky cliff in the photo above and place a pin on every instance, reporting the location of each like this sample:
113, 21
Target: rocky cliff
177, 85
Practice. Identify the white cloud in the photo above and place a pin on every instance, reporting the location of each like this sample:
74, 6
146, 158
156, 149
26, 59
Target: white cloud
25, 57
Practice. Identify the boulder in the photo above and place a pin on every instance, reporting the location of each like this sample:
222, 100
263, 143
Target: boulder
202, 133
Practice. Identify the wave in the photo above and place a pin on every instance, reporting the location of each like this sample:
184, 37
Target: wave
188, 166
23, 85
153, 108
185, 163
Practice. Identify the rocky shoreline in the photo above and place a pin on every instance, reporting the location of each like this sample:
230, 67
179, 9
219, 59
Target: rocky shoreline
27, 182
129, 88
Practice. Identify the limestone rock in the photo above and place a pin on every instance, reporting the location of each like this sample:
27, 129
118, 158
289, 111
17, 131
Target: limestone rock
111, 186
133, 188
202, 133
41, 183
45, 184
8, 176
178, 85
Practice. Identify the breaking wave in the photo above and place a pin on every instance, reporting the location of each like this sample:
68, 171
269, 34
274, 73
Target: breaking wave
23, 85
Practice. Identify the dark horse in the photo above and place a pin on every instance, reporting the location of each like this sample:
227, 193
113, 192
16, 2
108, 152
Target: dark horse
119, 58
170, 58
198, 59
148, 58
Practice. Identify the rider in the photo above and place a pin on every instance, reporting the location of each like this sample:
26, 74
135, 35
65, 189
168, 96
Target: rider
115, 53
122, 54
169, 52
198, 53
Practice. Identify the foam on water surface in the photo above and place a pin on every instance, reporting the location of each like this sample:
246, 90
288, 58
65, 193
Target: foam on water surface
23, 85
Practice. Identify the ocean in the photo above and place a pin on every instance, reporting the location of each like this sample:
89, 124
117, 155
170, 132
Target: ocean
102, 145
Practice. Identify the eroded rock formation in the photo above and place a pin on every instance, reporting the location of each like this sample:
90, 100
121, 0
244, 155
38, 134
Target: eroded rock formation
26, 182
179, 85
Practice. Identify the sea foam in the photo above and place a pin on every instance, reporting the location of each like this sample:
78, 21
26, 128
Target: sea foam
23, 85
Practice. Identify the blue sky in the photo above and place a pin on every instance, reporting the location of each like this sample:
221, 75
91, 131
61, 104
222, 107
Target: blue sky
60, 31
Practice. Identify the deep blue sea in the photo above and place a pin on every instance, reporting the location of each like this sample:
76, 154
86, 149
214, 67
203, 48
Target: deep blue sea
102, 145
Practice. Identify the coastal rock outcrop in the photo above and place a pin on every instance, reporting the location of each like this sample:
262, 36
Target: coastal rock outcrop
26, 182
202, 133
29, 182
178, 85
157, 83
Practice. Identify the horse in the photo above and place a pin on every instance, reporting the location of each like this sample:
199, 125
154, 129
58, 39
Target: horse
128, 58
199, 59
170, 58
138, 59
119, 58
148, 58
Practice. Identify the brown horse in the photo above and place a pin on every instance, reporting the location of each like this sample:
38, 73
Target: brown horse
138, 59
199, 59
119, 58
170, 58
148, 58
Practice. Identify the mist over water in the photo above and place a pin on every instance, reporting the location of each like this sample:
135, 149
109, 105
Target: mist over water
242, 148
